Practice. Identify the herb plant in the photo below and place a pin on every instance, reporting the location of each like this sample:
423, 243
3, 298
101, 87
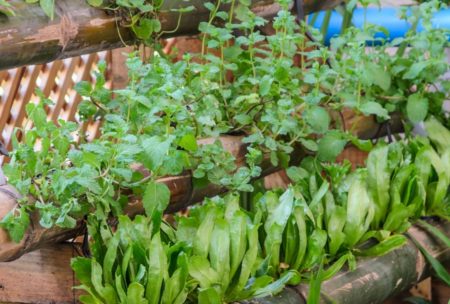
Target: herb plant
278, 98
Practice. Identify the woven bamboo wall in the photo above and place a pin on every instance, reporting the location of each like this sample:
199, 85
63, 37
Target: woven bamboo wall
56, 80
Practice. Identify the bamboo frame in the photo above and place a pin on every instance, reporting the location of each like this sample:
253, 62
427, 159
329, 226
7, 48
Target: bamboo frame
77, 28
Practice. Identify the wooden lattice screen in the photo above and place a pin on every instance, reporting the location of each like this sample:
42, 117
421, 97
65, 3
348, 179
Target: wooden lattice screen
56, 80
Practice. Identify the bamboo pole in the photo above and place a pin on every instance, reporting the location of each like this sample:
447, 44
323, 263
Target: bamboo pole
31, 37
375, 279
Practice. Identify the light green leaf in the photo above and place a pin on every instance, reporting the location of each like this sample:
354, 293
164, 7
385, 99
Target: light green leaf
135, 294
374, 108
417, 107
188, 142
318, 119
330, 146
387, 245
95, 3
265, 85
156, 198
48, 6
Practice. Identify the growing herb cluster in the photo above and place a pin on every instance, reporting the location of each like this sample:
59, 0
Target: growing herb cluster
222, 253
280, 93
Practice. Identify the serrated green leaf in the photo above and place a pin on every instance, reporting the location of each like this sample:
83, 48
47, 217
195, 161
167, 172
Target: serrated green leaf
330, 146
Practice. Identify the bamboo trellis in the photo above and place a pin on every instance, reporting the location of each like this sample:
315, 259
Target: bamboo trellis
56, 80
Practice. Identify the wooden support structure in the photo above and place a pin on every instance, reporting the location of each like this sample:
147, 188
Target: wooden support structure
31, 37
375, 279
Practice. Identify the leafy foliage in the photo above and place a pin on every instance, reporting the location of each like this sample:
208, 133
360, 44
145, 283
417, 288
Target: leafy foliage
278, 98
311, 230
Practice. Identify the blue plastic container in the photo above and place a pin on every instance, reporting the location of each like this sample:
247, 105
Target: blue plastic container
386, 17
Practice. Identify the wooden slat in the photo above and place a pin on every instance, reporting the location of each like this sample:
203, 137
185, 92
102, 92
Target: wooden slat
66, 83
28, 85
56, 80
11, 90
85, 71
43, 277
49, 76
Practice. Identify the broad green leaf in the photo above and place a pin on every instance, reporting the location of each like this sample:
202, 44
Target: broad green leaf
174, 287
335, 267
82, 268
302, 237
16, 225
275, 224
297, 174
248, 263
315, 250
265, 85
146, 27
374, 108
209, 296
219, 250
378, 173
335, 227
417, 107
48, 6
204, 233
438, 134
105, 291
277, 286
189, 142
359, 212
157, 270
135, 294
110, 259
318, 119
155, 150
95, 3
387, 245
380, 76
330, 146
156, 198
119, 286
415, 70
200, 269
238, 240
396, 217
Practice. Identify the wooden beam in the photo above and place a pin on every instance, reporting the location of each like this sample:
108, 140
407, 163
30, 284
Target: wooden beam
77, 28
